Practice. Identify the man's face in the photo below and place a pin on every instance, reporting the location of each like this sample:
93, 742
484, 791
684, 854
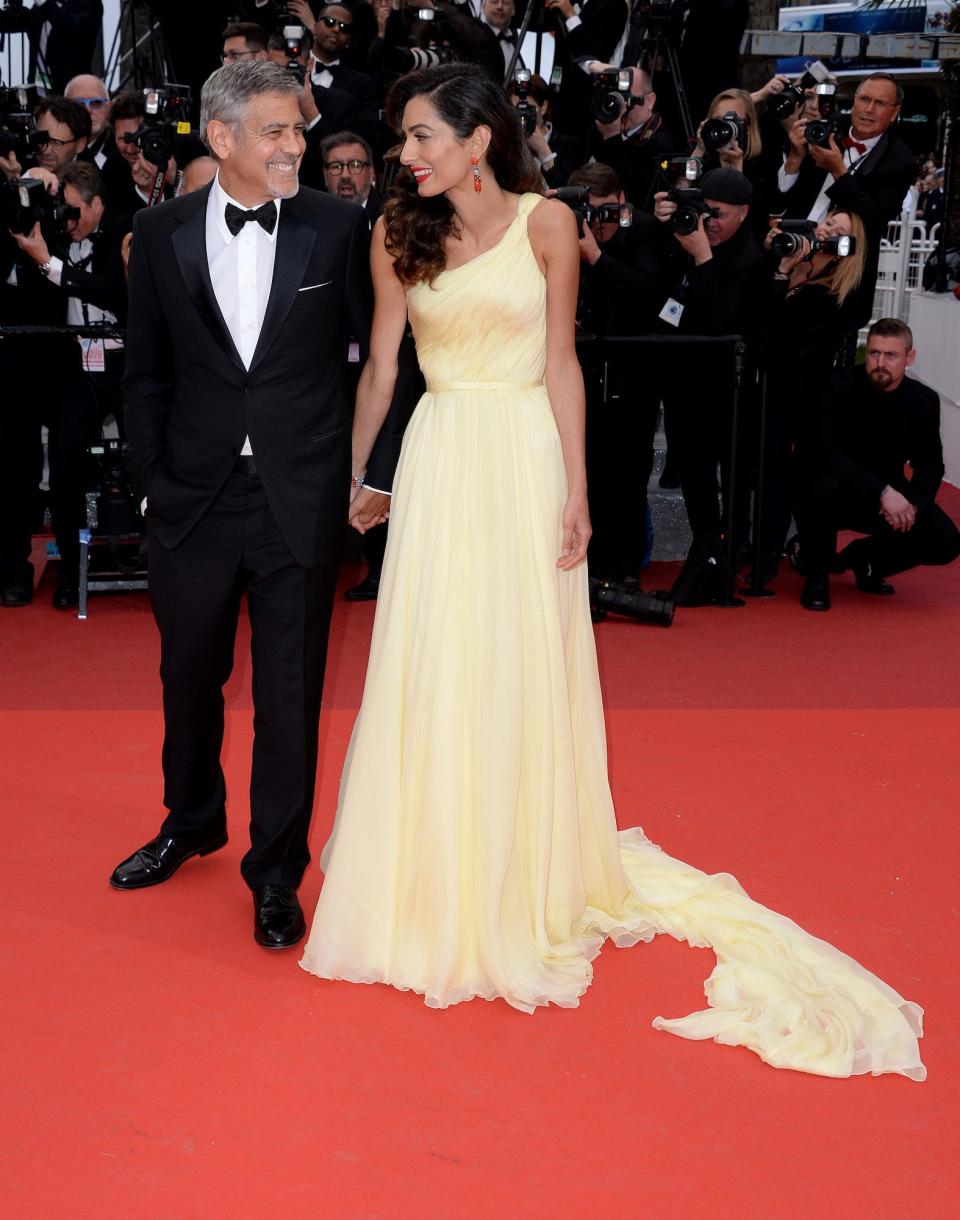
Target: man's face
127, 127
874, 108
238, 50
604, 232
639, 113
261, 161
722, 227
331, 34
348, 172
499, 13
91, 93
887, 361
90, 213
62, 146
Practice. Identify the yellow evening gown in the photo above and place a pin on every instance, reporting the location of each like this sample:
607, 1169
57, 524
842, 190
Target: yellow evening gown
475, 850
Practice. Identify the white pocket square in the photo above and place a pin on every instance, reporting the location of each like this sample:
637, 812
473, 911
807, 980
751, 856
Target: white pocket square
311, 286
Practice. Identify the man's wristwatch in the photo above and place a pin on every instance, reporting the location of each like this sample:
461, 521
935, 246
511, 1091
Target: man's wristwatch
45, 268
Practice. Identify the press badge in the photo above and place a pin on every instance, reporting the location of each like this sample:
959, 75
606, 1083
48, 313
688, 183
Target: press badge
92, 354
672, 312
353, 353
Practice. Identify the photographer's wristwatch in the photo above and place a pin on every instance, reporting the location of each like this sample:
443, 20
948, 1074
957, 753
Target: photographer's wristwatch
45, 268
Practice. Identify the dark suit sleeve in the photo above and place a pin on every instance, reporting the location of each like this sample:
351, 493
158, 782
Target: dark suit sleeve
602, 23
926, 456
104, 285
877, 198
728, 295
406, 394
148, 379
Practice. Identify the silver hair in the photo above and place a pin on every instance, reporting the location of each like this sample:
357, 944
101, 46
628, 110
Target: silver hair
227, 91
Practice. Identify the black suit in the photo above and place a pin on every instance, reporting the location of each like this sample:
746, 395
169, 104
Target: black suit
339, 111
362, 88
217, 529
602, 23
874, 188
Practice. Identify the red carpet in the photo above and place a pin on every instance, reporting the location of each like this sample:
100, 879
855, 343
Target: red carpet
158, 1064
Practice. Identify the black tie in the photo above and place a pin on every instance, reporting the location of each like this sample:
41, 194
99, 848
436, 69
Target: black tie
265, 217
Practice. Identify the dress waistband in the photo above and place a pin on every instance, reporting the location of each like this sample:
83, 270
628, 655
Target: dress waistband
442, 387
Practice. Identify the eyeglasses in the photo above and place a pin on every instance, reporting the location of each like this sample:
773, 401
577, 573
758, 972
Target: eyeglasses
337, 167
866, 101
61, 143
333, 24
229, 56
93, 103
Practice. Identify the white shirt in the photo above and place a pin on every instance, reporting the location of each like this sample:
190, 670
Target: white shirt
79, 313
241, 271
821, 204
320, 73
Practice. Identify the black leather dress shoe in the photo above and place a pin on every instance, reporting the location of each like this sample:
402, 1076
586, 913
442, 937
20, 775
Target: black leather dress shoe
816, 594
277, 917
365, 591
868, 581
159, 859
18, 589
67, 593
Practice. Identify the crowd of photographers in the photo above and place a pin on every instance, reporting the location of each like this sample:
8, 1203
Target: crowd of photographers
762, 220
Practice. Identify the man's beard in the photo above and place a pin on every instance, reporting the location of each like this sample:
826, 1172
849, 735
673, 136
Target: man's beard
346, 190
283, 187
881, 377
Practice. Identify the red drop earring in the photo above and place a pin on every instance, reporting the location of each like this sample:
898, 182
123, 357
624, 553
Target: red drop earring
477, 184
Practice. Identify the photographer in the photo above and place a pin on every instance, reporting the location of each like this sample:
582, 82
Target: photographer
619, 251
532, 96
875, 421
861, 167
332, 34
636, 140
418, 33
584, 32
713, 282
729, 137
809, 312
92, 94
67, 126
129, 174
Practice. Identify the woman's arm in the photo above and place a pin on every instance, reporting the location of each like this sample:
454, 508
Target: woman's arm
553, 235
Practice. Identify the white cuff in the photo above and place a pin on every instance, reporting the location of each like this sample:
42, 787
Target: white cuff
314, 122
784, 180
572, 22
378, 490
55, 272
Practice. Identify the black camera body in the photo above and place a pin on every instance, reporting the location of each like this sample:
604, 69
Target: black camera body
793, 95
111, 504
293, 33
793, 232
18, 128
613, 95
25, 202
719, 133
168, 111
577, 199
819, 131
690, 207
525, 109
627, 598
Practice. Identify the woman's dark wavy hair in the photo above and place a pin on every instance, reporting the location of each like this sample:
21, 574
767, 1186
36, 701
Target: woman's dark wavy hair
465, 98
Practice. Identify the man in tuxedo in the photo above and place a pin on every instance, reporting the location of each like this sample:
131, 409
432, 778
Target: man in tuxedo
496, 18
636, 142
866, 170
242, 299
92, 94
331, 38
586, 33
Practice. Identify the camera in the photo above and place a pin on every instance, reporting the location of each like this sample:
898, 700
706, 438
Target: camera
525, 108
167, 110
111, 504
719, 133
612, 96
685, 169
626, 598
690, 207
793, 96
577, 199
819, 131
18, 130
791, 237
293, 35
26, 202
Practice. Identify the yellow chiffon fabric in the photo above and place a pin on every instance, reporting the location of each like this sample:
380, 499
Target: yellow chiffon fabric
475, 850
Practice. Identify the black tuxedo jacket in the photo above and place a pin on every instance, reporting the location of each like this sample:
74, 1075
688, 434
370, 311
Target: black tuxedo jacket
190, 402
339, 111
362, 88
102, 282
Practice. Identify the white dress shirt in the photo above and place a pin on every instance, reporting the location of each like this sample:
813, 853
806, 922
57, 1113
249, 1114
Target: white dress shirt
821, 204
241, 271
80, 313
320, 73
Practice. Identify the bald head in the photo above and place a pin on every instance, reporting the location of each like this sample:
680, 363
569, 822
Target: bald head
198, 173
92, 93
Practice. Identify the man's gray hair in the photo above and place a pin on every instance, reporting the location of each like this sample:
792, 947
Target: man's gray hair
227, 91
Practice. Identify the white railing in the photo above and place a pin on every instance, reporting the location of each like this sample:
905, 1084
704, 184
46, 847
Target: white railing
901, 265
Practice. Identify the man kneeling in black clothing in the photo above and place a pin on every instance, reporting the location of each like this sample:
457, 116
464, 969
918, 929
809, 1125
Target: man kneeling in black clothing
875, 421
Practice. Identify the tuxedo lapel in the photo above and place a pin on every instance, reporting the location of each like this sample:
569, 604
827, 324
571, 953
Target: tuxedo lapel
868, 164
294, 246
190, 248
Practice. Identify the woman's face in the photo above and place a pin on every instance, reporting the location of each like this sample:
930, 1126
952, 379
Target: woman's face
836, 224
432, 151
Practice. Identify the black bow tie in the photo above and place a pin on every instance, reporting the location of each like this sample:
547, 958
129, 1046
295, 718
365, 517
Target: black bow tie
265, 216
507, 36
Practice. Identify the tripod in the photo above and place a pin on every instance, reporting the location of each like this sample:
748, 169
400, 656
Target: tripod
655, 40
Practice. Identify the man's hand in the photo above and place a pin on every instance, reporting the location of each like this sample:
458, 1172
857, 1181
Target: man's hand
731, 157
382, 10
789, 261
589, 248
308, 103
369, 508
609, 130
829, 159
797, 135
897, 510
46, 176
663, 207
33, 244
576, 532
775, 85
696, 244
10, 167
302, 10
125, 245
562, 6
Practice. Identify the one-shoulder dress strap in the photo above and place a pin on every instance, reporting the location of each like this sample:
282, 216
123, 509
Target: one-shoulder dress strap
528, 202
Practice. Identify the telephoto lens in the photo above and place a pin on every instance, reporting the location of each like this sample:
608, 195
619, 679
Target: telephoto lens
625, 598
786, 244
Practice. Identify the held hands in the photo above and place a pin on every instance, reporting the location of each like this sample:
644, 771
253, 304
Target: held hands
897, 510
368, 508
576, 532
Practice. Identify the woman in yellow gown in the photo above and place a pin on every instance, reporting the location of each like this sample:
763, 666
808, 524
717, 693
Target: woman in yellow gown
475, 850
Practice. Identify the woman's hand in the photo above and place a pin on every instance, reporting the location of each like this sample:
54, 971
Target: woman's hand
576, 532
731, 157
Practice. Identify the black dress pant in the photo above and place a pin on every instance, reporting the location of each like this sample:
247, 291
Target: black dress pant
933, 539
196, 590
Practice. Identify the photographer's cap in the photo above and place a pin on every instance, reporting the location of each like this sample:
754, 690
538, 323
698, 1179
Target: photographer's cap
726, 186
